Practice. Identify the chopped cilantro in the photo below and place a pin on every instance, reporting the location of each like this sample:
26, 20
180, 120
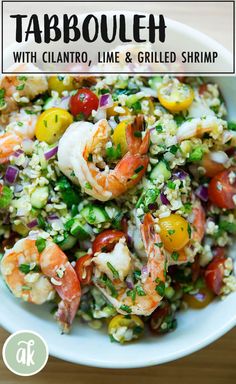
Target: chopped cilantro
113, 270
88, 186
160, 288
227, 226
139, 169
175, 255
159, 128
113, 153
189, 231
125, 308
40, 244
196, 154
171, 184
20, 87
232, 126
137, 134
140, 291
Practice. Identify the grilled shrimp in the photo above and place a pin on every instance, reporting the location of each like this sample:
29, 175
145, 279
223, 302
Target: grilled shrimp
21, 126
145, 294
86, 139
36, 276
196, 127
16, 87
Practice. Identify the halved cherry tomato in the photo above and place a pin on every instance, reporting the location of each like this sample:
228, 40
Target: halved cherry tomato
174, 232
195, 268
211, 167
175, 96
214, 272
158, 317
83, 102
202, 89
220, 190
111, 111
51, 124
60, 83
84, 269
200, 299
119, 136
107, 240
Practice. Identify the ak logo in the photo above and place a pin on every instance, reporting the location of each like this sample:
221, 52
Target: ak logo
25, 353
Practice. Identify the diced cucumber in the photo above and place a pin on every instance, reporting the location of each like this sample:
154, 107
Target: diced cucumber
155, 82
94, 214
39, 197
132, 99
82, 232
68, 242
160, 169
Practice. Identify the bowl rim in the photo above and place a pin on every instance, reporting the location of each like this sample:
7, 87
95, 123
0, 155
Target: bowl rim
55, 352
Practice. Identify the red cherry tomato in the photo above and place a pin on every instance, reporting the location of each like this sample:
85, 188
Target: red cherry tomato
220, 190
84, 269
202, 89
196, 269
214, 272
106, 240
211, 167
83, 102
158, 317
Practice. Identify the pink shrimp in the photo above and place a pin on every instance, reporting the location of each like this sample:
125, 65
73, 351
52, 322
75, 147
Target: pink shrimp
8, 142
35, 277
151, 284
199, 220
85, 139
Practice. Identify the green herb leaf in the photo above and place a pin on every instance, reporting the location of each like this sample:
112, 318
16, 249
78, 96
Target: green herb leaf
125, 308
160, 288
196, 154
113, 270
175, 255
40, 244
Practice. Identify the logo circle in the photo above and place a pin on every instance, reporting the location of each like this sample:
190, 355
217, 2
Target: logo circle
25, 353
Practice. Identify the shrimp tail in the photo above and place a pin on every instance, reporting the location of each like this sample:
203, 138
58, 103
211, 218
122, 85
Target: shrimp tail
134, 140
66, 312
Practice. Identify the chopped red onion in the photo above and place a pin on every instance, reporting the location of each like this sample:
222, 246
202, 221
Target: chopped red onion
64, 103
11, 174
105, 101
53, 217
18, 153
202, 193
180, 174
52, 152
129, 283
32, 223
144, 271
164, 199
152, 206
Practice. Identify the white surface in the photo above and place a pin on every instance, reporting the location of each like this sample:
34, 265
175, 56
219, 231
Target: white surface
195, 330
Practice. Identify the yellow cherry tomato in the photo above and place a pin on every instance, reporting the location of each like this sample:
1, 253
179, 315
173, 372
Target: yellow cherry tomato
51, 124
111, 111
199, 300
175, 96
60, 83
119, 136
131, 322
174, 232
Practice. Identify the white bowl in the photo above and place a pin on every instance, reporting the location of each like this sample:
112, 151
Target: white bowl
195, 330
